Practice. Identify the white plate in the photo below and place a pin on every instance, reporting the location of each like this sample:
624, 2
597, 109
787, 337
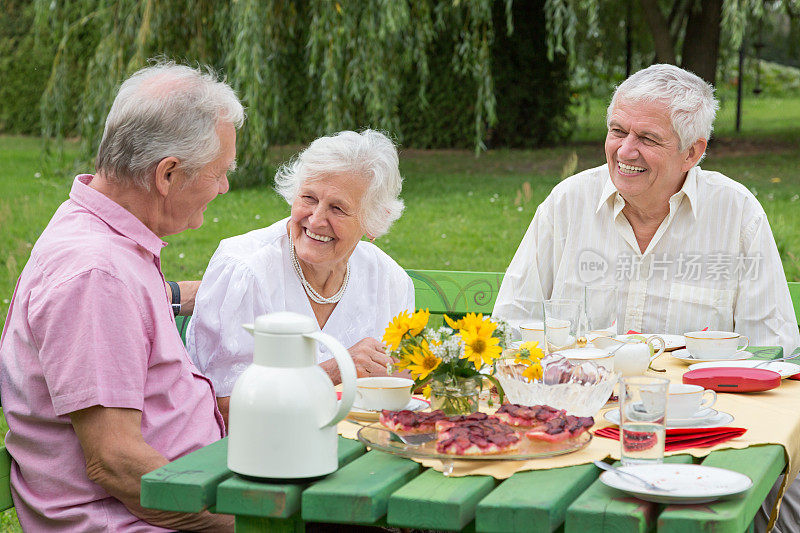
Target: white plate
673, 342
685, 356
784, 368
690, 483
706, 419
358, 413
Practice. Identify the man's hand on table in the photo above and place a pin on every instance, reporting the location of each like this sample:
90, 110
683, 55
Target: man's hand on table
116, 459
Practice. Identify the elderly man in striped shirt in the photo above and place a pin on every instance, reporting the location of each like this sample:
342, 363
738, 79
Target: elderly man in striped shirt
687, 248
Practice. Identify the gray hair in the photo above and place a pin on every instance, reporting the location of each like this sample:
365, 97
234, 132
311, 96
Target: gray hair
690, 100
165, 110
370, 155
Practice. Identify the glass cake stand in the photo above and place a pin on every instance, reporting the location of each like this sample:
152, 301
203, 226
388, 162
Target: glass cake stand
378, 439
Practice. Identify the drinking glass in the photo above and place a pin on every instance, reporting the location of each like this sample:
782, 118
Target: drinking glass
600, 310
561, 322
642, 413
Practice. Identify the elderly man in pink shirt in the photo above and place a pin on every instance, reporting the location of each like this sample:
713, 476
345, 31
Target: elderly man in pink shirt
96, 385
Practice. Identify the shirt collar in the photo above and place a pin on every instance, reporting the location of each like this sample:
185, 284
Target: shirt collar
113, 214
689, 189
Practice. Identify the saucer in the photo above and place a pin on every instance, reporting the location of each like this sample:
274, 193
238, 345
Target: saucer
415, 404
712, 419
685, 484
685, 357
784, 368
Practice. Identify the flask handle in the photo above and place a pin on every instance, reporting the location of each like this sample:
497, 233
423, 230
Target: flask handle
347, 369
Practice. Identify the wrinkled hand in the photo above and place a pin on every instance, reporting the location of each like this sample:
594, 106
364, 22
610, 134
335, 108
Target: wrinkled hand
369, 356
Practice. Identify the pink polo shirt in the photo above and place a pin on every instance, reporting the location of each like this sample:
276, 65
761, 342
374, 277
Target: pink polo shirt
89, 324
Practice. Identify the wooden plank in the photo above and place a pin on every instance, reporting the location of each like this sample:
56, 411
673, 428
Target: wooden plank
188, 484
239, 496
533, 501
359, 492
762, 463
434, 501
5, 480
601, 508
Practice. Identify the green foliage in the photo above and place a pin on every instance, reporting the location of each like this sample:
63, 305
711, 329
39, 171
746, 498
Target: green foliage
24, 68
423, 70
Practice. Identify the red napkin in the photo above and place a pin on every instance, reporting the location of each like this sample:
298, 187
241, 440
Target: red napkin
683, 438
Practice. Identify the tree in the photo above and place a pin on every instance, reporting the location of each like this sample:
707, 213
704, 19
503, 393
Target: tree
689, 33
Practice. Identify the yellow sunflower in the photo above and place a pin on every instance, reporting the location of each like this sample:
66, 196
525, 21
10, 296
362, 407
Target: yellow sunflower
533, 372
422, 361
455, 324
534, 352
418, 321
397, 328
426, 391
480, 347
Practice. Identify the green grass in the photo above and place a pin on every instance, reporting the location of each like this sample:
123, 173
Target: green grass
463, 212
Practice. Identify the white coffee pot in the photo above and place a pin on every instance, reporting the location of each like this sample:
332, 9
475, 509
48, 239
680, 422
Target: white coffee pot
283, 408
634, 357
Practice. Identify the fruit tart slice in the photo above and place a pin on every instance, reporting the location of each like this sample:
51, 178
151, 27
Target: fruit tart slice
527, 416
561, 428
475, 435
411, 422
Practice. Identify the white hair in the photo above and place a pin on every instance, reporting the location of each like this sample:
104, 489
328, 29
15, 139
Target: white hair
165, 110
370, 155
690, 100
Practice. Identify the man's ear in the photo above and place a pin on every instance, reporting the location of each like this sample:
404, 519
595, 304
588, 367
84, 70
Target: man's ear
167, 175
694, 153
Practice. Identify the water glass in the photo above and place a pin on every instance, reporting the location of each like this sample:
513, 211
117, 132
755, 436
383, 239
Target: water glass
561, 322
600, 310
643, 410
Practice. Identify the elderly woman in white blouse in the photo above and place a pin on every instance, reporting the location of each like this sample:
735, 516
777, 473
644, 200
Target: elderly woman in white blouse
341, 188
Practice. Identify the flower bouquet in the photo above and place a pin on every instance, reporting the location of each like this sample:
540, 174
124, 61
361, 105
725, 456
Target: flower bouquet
449, 362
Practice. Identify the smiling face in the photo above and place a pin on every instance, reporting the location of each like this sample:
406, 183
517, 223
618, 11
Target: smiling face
189, 198
643, 152
324, 223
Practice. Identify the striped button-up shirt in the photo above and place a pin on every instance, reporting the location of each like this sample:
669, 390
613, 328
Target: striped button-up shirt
712, 262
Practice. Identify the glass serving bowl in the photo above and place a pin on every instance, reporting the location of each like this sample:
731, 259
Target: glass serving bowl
580, 389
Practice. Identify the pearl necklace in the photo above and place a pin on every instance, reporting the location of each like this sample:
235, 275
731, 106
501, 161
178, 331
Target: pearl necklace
310, 291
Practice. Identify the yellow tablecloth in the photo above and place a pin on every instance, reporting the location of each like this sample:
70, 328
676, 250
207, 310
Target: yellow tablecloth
770, 417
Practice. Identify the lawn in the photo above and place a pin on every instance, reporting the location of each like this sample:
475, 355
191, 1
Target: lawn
462, 212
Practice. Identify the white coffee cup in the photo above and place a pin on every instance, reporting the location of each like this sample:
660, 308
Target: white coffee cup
377, 393
685, 401
533, 332
714, 344
588, 354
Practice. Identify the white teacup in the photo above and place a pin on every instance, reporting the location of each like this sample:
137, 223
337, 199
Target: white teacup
685, 401
377, 393
714, 344
533, 332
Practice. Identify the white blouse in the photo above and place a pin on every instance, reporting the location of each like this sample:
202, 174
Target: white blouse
251, 274
712, 263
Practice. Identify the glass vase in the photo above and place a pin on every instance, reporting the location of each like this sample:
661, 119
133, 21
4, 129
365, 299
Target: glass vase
457, 396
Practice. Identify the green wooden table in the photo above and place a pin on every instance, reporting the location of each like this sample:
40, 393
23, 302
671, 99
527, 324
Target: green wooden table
375, 488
